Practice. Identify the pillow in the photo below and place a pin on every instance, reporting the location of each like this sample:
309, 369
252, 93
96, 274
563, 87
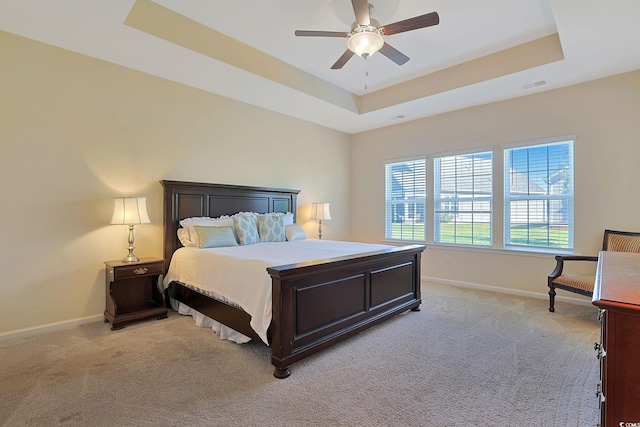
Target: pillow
189, 223
294, 232
215, 237
185, 238
271, 228
220, 221
253, 215
288, 218
245, 227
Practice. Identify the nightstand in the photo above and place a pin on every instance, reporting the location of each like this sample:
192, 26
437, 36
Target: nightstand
132, 291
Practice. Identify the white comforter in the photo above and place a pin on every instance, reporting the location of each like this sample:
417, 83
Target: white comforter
238, 274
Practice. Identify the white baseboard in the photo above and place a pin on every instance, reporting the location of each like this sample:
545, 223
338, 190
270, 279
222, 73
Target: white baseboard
539, 295
67, 324
51, 327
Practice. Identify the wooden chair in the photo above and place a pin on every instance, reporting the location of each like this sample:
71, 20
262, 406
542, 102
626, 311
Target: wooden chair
617, 241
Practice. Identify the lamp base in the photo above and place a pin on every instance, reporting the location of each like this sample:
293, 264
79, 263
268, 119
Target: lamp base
130, 258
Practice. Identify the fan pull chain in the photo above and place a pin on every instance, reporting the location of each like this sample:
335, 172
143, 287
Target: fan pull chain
366, 74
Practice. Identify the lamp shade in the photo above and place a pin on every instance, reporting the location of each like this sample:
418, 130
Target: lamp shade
130, 210
320, 211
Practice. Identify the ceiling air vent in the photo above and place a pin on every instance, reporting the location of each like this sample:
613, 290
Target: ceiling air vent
534, 84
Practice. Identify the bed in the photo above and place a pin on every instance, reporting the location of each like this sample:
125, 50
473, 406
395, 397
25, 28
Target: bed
314, 303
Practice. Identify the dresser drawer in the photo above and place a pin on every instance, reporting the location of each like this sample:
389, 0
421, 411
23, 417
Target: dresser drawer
136, 270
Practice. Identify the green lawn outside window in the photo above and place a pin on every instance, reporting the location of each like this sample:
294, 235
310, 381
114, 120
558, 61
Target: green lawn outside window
538, 235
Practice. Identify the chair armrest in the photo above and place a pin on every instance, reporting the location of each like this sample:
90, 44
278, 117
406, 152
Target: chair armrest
560, 259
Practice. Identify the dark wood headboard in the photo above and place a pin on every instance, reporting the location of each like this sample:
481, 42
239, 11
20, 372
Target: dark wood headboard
193, 199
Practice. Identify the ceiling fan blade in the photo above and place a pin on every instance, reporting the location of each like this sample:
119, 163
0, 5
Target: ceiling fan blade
361, 9
311, 33
414, 23
342, 60
393, 54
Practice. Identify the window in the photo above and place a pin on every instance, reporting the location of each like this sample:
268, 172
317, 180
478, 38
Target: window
463, 190
538, 195
405, 194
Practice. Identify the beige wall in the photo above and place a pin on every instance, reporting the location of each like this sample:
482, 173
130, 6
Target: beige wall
76, 131
603, 115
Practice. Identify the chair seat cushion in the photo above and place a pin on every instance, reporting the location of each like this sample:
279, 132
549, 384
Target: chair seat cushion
578, 281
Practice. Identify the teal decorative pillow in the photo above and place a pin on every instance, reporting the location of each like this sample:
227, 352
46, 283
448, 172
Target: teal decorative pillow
215, 237
246, 230
271, 228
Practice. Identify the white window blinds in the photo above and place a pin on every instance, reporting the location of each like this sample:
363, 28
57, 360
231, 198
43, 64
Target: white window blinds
463, 198
405, 196
538, 195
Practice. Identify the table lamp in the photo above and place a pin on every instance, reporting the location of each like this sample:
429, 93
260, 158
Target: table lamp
130, 211
320, 212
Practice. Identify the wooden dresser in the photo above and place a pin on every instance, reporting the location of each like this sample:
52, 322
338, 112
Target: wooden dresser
617, 294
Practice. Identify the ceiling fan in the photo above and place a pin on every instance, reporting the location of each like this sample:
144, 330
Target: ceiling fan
366, 35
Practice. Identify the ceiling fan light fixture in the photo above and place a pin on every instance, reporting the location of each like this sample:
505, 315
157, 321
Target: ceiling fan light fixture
365, 41
366, 35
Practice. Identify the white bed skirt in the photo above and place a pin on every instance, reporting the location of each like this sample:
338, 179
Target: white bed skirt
202, 321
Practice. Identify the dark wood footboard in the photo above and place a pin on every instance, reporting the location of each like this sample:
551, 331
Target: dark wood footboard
317, 304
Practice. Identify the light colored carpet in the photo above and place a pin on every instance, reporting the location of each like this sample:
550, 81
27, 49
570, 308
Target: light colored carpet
469, 358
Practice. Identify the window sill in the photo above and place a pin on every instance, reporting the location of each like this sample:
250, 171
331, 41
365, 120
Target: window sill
508, 250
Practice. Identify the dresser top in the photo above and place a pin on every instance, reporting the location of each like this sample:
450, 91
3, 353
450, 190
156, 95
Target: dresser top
120, 263
618, 280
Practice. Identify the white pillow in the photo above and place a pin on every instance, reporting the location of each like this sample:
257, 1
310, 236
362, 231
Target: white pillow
294, 232
288, 219
241, 214
185, 238
221, 221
